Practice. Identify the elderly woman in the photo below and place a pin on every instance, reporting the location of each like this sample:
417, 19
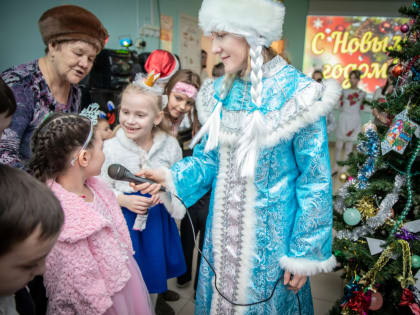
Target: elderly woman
73, 36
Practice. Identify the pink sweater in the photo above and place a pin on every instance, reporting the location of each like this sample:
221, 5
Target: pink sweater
88, 264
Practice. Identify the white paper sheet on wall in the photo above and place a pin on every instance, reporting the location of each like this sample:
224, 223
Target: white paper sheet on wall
166, 32
189, 43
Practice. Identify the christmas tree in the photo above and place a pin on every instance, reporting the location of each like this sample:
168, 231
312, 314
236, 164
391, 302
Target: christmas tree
377, 211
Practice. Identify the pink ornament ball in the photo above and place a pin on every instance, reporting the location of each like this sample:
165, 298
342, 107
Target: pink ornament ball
376, 301
404, 28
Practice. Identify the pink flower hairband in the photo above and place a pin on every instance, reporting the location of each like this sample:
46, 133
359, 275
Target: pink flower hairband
185, 88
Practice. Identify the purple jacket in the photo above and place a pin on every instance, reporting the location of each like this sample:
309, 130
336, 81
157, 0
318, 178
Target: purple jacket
34, 100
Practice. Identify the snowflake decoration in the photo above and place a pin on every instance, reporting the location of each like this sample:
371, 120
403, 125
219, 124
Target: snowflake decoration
327, 30
318, 23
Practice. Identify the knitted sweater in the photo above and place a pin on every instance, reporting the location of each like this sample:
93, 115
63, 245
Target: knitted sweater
89, 262
164, 152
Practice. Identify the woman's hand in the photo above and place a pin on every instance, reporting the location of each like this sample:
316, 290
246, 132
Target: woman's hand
156, 175
137, 204
295, 283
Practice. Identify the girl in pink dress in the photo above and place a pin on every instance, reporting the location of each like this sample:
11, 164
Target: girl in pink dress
91, 269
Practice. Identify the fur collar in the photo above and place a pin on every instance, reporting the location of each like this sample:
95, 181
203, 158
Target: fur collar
159, 140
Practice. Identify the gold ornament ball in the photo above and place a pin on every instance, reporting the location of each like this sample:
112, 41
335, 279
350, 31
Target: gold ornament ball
397, 70
369, 125
343, 177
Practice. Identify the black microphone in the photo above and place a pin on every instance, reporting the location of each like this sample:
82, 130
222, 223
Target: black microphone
119, 172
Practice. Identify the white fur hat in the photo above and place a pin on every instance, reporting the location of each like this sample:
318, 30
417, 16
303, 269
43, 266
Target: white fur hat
253, 19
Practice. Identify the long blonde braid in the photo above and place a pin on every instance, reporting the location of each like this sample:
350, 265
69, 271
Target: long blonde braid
254, 132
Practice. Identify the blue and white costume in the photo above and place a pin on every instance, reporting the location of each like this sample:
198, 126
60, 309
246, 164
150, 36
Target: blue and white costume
264, 153
279, 219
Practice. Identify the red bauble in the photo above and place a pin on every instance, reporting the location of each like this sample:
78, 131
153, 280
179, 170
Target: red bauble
397, 70
376, 301
385, 27
404, 28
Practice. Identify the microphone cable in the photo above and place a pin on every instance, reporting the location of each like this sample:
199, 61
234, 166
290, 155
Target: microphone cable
214, 271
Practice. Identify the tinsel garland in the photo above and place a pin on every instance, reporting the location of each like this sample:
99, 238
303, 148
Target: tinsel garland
374, 222
357, 293
366, 208
371, 148
407, 207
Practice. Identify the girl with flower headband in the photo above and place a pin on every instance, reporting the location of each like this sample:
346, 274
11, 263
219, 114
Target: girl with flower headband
179, 89
264, 153
142, 142
182, 90
91, 269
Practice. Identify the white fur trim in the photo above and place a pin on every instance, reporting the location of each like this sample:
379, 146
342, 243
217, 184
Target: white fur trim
252, 19
310, 111
172, 204
307, 267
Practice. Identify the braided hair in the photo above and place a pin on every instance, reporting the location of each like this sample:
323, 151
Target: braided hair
256, 59
53, 142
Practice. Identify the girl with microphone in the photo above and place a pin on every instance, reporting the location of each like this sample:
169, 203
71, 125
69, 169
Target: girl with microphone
142, 142
264, 153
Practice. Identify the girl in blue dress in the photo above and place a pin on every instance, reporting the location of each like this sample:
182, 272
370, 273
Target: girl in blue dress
142, 143
264, 153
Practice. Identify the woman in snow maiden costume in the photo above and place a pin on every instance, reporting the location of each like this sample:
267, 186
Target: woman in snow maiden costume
264, 152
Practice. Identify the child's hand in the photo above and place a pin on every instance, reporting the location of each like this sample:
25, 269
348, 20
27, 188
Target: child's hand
156, 175
137, 204
156, 200
295, 283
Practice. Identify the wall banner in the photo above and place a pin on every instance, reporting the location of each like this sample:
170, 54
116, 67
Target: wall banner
340, 44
